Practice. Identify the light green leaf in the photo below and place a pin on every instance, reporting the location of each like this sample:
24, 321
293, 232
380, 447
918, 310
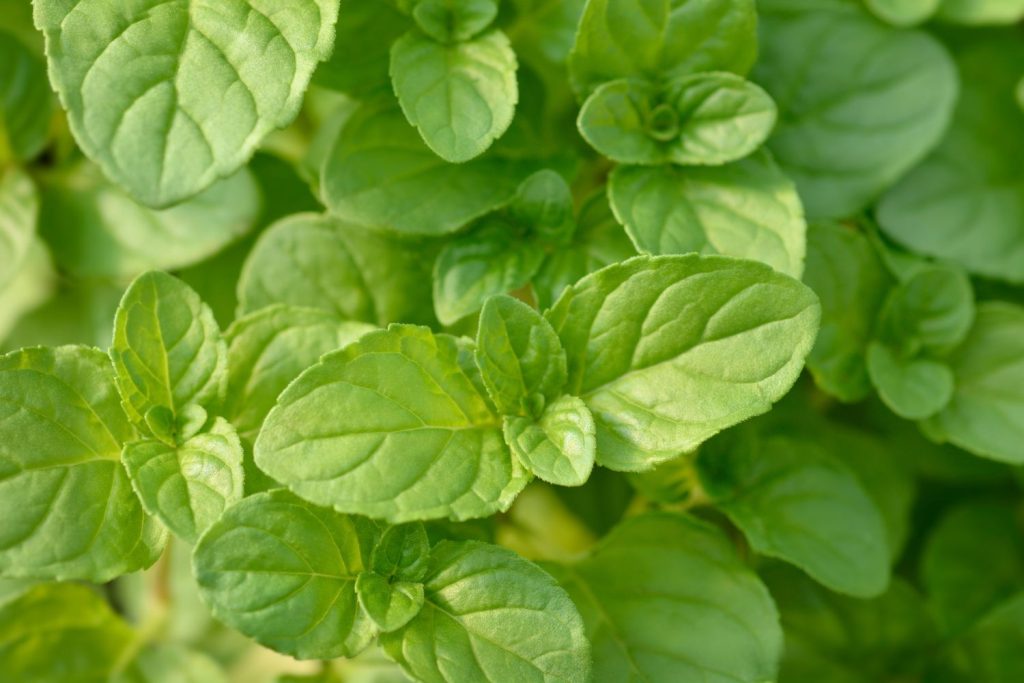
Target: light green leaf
493, 617
365, 31
25, 104
795, 502
903, 12
461, 96
60, 632
986, 415
543, 203
661, 39
560, 446
493, 258
68, 507
394, 427
705, 119
271, 347
597, 242
169, 95
380, 173
19, 211
521, 360
857, 111
95, 229
748, 209
283, 572
931, 311
965, 202
665, 599
450, 21
403, 551
846, 273
667, 351
390, 604
167, 348
913, 388
188, 486
981, 12
171, 663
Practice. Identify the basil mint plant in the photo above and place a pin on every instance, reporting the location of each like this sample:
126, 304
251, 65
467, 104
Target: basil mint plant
459, 341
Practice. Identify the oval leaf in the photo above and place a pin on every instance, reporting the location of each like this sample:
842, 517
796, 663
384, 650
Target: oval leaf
560, 446
26, 106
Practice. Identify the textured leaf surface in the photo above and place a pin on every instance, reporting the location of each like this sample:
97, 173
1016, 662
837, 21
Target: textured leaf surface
460, 96
448, 21
914, 388
560, 446
68, 508
491, 616
167, 349
748, 209
169, 95
188, 487
283, 572
19, 211
25, 105
652, 574
667, 351
394, 426
390, 604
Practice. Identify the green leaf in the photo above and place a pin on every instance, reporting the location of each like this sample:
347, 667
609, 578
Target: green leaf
66, 501
971, 536
283, 572
544, 204
167, 348
25, 103
795, 502
560, 446
495, 617
19, 211
903, 12
60, 632
318, 261
667, 351
993, 646
748, 209
450, 21
986, 415
705, 119
462, 96
171, 663
393, 427
171, 95
187, 487
521, 360
380, 173
914, 388
856, 112
851, 280
403, 551
365, 31
271, 347
661, 39
932, 310
391, 605
95, 229
490, 259
981, 12
656, 572
965, 202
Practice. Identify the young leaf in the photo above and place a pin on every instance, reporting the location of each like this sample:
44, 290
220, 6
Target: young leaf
705, 119
391, 604
393, 427
661, 39
68, 508
560, 446
903, 12
461, 96
403, 552
543, 203
491, 259
748, 209
167, 349
60, 632
851, 280
496, 618
379, 173
169, 96
521, 360
188, 486
19, 211
657, 571
914, 388
25, 103
667, 351
452, 21
859, 111
793, 501
932, 310
986, 415
283, 572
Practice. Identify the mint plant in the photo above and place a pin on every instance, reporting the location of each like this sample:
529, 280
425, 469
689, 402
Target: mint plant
511, 340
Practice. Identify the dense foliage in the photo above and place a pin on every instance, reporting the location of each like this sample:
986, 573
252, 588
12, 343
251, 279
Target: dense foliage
464, 340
